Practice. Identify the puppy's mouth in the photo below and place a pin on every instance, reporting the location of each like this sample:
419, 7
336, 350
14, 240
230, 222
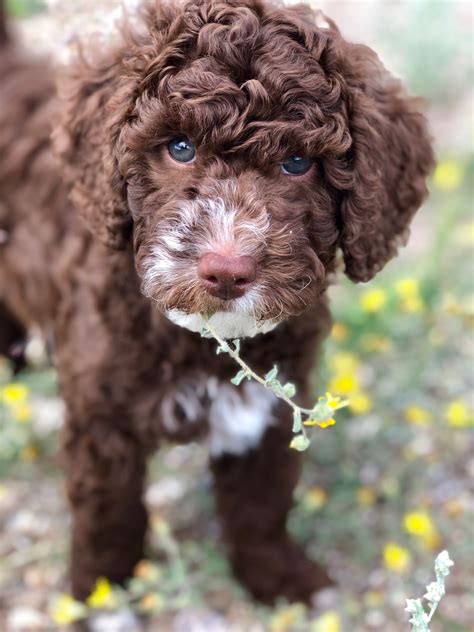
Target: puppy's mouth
227, 325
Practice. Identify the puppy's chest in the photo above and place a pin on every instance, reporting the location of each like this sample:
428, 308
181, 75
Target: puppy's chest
231, 419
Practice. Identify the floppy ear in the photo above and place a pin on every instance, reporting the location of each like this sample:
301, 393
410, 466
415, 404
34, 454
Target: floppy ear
86, 140
388, 162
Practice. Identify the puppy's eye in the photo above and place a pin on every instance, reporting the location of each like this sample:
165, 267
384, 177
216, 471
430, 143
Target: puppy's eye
296, 165
182, 150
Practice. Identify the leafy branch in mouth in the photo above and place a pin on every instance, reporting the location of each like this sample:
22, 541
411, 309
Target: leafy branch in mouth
304, 419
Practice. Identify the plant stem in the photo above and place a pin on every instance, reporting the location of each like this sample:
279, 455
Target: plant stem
235, 356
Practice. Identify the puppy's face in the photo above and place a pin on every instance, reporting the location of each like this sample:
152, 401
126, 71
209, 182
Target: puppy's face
233, 219
242, 235
247, 145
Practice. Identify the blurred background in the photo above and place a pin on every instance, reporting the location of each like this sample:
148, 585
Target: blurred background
385, 489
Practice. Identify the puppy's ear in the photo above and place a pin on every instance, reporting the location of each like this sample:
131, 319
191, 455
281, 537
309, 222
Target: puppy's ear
94, 107
388, 162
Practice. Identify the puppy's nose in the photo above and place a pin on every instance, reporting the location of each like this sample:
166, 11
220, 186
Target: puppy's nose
226, 277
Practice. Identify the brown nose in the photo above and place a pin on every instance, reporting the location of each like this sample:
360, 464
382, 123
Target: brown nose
226, 277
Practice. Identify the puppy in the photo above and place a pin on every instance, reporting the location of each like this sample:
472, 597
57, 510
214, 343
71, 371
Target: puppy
214, 161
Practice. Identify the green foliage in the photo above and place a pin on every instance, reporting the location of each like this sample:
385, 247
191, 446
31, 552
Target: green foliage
434, 593
25, 8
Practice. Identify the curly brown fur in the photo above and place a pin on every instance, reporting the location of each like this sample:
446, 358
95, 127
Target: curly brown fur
249, 84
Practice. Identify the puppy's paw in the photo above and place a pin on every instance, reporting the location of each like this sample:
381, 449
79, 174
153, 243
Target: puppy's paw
278, 569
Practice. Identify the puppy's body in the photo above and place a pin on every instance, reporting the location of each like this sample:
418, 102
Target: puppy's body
130, 376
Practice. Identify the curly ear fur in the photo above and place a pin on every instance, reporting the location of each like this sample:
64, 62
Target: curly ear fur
389, 160
85, 142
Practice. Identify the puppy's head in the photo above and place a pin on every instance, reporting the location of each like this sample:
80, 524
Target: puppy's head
244, 144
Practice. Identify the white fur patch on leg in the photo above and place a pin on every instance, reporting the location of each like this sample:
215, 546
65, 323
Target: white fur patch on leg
238, 417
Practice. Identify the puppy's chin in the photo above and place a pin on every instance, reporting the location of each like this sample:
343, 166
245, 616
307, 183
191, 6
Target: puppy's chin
227, 325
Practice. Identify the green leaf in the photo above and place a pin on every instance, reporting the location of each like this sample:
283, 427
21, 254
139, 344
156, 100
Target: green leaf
223, 348
289, 389
241, 375
236, 344
205, 333
271, 375
297, 420
300, 443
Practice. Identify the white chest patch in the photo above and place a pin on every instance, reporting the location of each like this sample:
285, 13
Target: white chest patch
227, 324
238, 416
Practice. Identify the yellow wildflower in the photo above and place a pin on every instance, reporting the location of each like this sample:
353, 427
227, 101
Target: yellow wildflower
420, 525
458, 414
102, 595
448, 175
66, 610
409, 291
396, 558
339, 332
328, 622
344, 362
21, 412
315, 498
286, 618
344, 383
418, 415
373, 300
407, 287
366, 496
360, 403
322, 424
14, 394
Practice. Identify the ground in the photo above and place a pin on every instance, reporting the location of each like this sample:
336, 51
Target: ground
383, 491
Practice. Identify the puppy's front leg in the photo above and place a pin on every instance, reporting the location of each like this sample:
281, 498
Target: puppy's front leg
254, 495
105, 471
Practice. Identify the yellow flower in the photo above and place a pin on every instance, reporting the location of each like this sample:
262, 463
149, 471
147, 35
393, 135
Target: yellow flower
396, 558
407, 287
458, 414
418, 415
412, 304
14, 394
420, 525
21, 412
448, 175
328, 622
322, 424
409, 291
339, 332
366, 496
373, 300
344, 383
66, 610
285, 619
315, 498
102, 595
344, 362
360, 403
